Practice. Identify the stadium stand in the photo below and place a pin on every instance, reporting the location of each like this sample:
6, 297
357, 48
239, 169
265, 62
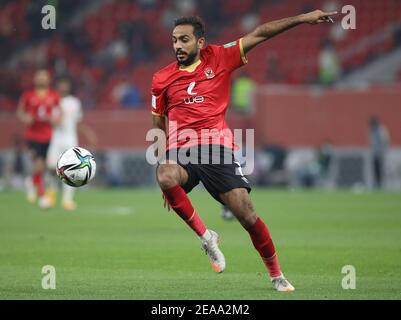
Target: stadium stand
126, 41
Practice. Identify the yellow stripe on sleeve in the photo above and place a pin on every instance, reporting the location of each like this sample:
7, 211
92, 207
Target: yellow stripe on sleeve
157, 114
243, 55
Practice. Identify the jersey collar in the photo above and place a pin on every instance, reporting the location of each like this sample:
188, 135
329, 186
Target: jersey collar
192, 67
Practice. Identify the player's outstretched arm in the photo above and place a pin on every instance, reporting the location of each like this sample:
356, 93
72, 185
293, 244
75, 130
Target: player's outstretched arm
273, 28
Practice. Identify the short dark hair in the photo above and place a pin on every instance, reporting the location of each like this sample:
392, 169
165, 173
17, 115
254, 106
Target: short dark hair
195, 21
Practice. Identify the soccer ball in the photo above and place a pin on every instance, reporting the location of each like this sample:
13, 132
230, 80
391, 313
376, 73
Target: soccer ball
76, 167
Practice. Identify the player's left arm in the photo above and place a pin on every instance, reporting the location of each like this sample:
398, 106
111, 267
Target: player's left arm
273, 28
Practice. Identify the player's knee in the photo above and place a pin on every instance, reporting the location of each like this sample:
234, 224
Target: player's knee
167, 176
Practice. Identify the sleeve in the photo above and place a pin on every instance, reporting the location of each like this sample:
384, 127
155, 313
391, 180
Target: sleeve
233, 55
158, 99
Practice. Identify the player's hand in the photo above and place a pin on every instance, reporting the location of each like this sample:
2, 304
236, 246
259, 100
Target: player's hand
318, 16
27, 119
166, 204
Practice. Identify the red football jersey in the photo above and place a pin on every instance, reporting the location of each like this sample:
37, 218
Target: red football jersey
41, 108
195, 99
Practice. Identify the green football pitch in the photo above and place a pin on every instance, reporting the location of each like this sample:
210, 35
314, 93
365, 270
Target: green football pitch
122, 244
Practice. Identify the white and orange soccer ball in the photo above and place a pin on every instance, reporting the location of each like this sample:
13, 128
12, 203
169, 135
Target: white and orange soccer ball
76, 167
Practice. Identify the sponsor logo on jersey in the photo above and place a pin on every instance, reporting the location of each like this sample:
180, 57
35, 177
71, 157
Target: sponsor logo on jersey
190, 88
42, 112
209, 73
191, 100
194, 98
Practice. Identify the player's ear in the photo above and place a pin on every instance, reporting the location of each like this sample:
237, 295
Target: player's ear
201, 42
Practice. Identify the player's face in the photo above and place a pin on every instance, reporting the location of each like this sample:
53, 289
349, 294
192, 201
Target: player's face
41, 79
64, 87
186, 45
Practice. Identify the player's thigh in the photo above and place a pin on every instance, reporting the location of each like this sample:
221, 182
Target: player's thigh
169, 173
240, 204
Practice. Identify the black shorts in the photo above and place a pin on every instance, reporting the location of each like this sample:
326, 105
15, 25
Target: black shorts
38, 149
217, 178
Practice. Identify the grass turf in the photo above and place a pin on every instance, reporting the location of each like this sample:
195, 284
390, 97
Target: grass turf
122, 244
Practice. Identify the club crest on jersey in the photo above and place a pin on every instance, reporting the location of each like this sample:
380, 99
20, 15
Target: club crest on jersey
209, 73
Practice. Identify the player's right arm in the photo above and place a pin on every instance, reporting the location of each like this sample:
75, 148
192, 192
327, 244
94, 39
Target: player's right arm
159, 122
273, 28
22, 115
158, 113
158, 104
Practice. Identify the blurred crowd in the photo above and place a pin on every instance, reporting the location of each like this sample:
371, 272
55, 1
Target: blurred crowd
111, 48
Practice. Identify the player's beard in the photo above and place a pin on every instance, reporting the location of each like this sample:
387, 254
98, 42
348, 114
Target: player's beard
189, 60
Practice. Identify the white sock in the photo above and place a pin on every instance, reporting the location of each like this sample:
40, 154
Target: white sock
206, 236
68, 193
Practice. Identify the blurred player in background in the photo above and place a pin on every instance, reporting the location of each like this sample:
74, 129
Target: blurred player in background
39, 110
379, 141
226, 213
65, 136
193, 95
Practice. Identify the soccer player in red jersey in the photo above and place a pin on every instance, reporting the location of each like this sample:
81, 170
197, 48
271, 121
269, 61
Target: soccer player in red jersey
39, 110
192, 95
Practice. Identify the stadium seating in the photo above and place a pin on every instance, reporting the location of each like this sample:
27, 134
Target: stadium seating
127, 39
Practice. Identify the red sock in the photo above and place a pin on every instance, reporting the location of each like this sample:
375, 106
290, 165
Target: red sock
264, 244
179, 201
37, 180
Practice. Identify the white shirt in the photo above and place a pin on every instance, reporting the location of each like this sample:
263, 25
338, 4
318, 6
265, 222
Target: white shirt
72, 115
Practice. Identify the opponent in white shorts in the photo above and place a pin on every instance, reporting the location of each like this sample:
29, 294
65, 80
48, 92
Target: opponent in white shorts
65, 136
